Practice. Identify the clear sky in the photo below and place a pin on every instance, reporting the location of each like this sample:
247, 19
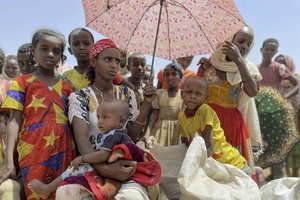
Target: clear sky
269, 18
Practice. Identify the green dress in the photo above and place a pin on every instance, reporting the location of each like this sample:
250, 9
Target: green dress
293, 158
278, 127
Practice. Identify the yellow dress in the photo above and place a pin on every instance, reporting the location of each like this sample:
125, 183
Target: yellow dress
205, 115
77, 80
166, 129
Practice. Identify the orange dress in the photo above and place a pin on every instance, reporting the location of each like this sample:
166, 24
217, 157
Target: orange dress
45, 145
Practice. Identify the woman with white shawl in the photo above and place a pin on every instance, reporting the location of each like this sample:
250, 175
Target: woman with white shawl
232, 85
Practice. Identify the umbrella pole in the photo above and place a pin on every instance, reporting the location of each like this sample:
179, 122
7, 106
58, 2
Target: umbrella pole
156, 37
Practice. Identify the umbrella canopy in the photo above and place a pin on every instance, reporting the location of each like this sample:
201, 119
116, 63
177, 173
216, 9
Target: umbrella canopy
187, 27
278, 125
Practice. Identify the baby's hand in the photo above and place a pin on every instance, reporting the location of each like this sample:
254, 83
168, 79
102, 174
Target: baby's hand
149, 93
76, 162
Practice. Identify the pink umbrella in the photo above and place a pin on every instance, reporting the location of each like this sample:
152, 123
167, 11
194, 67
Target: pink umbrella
165, 28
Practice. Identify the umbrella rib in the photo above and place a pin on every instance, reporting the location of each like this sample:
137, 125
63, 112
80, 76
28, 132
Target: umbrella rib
168, 29
150, 6
176, 3
108, 7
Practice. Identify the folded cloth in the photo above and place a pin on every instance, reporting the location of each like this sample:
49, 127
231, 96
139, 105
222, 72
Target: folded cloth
281, 189
74, 192
100, 188
103, 188
147, 173
148, 170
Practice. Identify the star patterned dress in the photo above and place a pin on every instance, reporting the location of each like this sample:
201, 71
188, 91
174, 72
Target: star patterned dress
4, 86
45, 145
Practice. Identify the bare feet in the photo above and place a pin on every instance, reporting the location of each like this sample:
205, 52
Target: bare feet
39, 188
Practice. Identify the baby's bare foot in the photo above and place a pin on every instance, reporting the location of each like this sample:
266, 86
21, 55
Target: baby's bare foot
39, 188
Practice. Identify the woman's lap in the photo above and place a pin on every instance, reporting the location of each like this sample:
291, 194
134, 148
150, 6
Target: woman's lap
129, 190
132, 190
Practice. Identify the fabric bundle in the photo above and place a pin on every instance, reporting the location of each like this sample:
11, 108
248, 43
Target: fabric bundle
205, 178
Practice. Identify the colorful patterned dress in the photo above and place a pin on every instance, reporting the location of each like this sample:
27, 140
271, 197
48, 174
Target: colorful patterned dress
278, 126
4, 86
77, 80
293, 159
45, 143
276, 116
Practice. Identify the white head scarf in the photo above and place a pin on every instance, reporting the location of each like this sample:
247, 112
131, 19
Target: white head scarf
218, 60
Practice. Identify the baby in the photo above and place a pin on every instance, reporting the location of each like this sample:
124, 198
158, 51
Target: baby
112, 117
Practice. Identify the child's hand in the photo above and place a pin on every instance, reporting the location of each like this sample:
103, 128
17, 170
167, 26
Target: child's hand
246, 169
6, 172
210, 152
255, 148
150, 141
149, 93
204, 63
231, 51
185, 141
76, 162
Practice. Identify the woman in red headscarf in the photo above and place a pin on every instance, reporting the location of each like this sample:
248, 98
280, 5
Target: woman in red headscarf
105, 62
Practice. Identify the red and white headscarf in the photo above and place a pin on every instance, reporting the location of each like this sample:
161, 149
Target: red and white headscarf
99, 46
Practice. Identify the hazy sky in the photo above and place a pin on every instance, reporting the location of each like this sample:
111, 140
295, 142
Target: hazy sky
269, 18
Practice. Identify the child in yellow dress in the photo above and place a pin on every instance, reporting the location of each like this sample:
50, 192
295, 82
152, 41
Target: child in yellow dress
198, 117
